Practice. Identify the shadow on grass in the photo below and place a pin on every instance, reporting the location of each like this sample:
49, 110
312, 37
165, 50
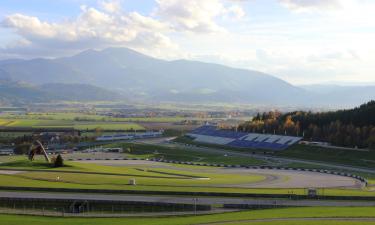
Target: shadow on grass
27, 164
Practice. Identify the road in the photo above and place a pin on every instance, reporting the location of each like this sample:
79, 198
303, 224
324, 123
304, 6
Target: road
179, 199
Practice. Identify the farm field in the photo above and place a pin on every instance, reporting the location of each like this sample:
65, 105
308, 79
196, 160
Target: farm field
79, 125
95, 117
287, 216
84, 121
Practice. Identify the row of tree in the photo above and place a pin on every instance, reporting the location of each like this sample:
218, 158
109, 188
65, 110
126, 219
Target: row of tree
350, 128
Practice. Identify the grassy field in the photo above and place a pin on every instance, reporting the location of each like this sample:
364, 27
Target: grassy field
170, 177
347, 157
285, 216
369, 176
181, 154
314, 153
91, 117
79, 125
148, 178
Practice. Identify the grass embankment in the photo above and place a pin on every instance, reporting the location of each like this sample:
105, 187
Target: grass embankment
93, 176
287, 216
329, 155
313, 153
180, 178
182, 154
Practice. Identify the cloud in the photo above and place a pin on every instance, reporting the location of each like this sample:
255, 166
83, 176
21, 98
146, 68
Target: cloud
92, 28
236, 12
310, 5
108, 25
196, 15
111, 6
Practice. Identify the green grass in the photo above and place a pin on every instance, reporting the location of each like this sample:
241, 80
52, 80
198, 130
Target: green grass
347, 157
314, 153
175, 178
181, 154
152, 179
244, 217
91, 177
79, 125
108, 182
89, 117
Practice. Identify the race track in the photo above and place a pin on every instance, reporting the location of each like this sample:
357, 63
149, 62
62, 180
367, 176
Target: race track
273, 178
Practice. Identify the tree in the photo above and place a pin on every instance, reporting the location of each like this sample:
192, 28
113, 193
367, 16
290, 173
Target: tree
59, 162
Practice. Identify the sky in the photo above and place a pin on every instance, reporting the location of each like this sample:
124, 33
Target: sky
300, 41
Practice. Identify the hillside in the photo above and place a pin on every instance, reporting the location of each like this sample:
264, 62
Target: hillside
352, 128
141, 77
80, 92
18, 93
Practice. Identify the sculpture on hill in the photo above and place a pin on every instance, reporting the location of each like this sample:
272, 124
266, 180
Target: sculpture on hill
38, 148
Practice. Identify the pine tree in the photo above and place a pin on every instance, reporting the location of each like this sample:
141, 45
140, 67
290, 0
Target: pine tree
59, 162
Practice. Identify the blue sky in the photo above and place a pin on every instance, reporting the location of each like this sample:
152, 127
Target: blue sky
300, 41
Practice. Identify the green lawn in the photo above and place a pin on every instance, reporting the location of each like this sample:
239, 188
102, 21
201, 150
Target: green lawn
182, 154
245, 217
314, 153
93, 176
347, 157
181, 178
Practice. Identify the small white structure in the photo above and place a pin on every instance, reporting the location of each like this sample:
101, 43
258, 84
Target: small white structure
132, 182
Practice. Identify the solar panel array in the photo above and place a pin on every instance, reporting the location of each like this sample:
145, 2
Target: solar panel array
209, 134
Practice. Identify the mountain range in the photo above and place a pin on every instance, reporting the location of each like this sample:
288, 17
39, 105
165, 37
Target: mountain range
121, 73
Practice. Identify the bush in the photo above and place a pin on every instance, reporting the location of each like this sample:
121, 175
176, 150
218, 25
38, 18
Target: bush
59, 162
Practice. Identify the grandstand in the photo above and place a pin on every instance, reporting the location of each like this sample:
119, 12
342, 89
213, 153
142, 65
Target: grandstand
211, 135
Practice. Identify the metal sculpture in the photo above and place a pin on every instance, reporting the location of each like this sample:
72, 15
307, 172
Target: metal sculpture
38, 148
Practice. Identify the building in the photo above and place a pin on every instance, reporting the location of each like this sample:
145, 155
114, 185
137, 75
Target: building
130, 136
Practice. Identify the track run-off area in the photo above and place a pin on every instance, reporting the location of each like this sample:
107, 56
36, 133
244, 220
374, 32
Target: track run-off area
160, 176
263, 178
101, 179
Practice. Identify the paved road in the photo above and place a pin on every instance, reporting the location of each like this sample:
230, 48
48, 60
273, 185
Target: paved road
180, 199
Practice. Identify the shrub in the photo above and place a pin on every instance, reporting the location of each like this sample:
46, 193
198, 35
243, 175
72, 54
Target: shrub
59, 162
